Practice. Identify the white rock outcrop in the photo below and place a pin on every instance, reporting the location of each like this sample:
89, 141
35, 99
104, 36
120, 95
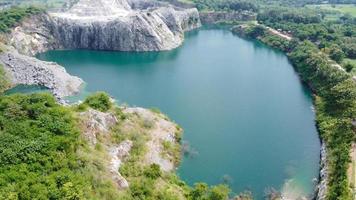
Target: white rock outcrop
122, 25
97, 123
118, 154
162, 130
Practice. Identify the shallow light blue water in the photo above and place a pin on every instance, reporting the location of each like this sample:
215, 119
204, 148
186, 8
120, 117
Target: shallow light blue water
242, 106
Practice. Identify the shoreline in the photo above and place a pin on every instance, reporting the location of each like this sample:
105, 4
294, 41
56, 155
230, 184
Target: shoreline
36, 58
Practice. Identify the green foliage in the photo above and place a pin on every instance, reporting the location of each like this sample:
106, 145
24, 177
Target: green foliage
255, 31
9, 18
99, 101
335, 37
349, 66
202, 191
226, 5
38, 139
276, 42
199, 191
153, 171
280, 14
219, 192
336, 53
4, 81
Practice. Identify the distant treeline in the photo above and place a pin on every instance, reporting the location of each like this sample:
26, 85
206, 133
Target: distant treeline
9, 18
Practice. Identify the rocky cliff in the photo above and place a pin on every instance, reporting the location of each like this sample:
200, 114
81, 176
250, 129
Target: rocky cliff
322, 187
123, 25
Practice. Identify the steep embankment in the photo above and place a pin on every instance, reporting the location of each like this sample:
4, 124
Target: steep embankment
135, 25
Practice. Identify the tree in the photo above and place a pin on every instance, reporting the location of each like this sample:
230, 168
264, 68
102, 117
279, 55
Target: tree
342, 97
99, 101
219, 192
349, 66
336, 53
199, 191
153, 171
255, 31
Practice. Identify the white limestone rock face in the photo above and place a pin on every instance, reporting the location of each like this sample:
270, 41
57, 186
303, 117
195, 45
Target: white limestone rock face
97, 123
122, 25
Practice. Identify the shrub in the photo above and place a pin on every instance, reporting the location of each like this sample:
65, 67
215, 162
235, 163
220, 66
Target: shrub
99, 101
153, 171
349, 66
336, 54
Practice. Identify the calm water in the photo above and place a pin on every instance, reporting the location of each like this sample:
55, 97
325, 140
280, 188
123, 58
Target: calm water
242, 106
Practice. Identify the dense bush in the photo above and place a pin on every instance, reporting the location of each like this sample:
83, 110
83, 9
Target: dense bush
227, 5
288, 15
38, 140
9, 18
203, 191
99, 101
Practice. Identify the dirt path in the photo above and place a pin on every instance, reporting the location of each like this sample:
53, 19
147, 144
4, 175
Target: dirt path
278, 33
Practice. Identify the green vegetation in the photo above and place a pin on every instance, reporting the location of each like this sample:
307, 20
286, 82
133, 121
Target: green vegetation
38, 144
350, 65
336, 8
226, 5
4, 81
9, 18
335, 38
98, 101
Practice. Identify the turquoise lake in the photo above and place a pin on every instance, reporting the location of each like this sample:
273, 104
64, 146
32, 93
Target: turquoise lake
246, 115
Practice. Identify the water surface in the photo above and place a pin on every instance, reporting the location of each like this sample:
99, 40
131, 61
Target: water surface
242, 106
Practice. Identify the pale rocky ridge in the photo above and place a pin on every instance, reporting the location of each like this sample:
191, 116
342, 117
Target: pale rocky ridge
97, 125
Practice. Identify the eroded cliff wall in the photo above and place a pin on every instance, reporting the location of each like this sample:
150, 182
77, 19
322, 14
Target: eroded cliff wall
122, 25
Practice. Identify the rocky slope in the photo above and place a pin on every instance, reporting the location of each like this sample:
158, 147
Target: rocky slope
322, 187
123, 25
27, 70
101, 129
